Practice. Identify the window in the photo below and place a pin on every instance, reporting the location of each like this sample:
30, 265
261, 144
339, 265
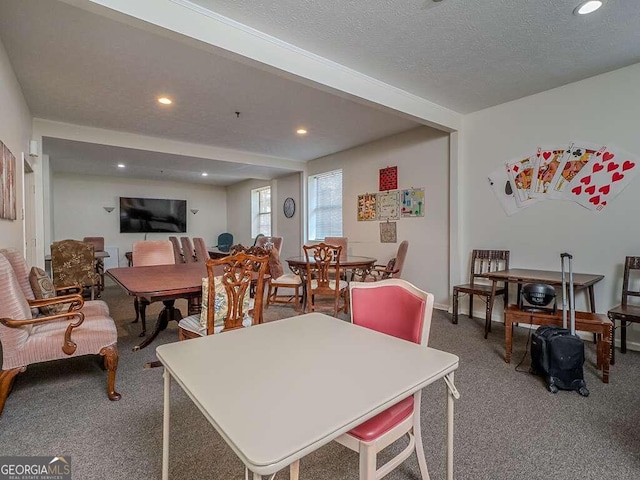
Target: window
261, 211
325, 205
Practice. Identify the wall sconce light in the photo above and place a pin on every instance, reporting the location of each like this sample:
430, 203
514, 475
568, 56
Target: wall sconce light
194, 210
109, 209
33, 148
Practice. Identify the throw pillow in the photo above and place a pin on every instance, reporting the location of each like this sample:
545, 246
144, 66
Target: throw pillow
42, 287
275, 265
220, 303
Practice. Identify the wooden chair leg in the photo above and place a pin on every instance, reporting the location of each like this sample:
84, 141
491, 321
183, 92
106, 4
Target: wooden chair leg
623, 336
6, 382
110, 355
455, 306
471, 305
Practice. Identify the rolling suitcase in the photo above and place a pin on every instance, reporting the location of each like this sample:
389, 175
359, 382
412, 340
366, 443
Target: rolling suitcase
557, 354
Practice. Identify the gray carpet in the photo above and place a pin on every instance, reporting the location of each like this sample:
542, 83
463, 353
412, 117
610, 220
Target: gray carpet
507, 425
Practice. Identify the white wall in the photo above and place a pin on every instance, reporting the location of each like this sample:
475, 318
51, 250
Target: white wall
290, 229
603, 110
78, 202
422, 157
15, 133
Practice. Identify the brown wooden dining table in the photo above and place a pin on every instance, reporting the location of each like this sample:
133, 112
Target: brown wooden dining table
165, 283
359, 267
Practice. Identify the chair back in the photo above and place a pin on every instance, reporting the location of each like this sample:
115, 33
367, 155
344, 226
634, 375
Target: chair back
339, 241
323, 268
13, 304
177, 250
239, 270
258, 241
21, 270
225, 240
73, 262
202, 252
400, 258
269, 242
152, 252
187, 250
97, 242
393, 306
631, 263
485, 261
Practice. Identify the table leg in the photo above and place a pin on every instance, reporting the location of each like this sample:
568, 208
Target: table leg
165, 426
450, 397
508, 338
169, 312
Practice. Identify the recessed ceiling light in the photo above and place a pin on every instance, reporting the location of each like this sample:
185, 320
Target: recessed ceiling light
121, 165
165, 100
205, 174
301, 131
588, 7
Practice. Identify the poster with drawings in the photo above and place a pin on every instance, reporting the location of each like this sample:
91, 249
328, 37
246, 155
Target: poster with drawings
389, 206
412, 202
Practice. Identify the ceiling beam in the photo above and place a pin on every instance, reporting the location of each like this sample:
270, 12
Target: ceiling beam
267, 52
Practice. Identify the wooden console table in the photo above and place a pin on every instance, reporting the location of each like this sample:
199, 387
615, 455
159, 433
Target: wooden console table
596, 323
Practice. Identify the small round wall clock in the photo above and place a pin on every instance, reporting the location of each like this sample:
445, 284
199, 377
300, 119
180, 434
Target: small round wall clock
289, 207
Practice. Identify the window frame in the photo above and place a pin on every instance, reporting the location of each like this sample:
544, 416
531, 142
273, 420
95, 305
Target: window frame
337, 205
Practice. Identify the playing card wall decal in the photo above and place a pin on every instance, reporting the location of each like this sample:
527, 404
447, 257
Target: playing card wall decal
588, 174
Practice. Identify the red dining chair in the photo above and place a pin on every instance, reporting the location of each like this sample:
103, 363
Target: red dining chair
394, 307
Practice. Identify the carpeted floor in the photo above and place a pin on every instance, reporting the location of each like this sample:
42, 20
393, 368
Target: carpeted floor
507, 425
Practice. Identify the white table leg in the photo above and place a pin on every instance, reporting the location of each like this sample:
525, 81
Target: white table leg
165, 426
450, 398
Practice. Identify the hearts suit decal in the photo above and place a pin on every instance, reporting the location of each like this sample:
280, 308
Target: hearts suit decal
616, 177
577, 190
590, 190
612, 166
607, 156
586, 180
546, 155
597, 167
595, 200
627, 165
604, 189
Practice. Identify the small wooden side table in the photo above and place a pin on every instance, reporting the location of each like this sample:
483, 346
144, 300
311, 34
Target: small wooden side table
585, 321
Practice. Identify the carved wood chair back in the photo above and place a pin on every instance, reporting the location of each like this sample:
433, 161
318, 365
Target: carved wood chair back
239, 270
323, 274
485, 261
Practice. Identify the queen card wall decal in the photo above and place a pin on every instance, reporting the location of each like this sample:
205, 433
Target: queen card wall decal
388, 178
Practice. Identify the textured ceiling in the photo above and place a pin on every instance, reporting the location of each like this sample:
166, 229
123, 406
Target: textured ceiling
81, 68
462, 54
68, 156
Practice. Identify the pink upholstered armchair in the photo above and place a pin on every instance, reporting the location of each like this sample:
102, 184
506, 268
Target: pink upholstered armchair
28, 339
394, 307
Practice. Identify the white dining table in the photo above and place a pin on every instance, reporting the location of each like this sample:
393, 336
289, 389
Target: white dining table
327, 375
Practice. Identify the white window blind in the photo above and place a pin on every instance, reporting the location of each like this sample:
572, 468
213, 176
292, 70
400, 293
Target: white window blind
325, 205
261, 211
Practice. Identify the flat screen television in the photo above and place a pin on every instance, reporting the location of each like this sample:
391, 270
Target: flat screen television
142, 215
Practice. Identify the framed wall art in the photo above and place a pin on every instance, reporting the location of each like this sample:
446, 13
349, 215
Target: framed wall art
412, 202
388, 232
389, 206
388, 178
367, 207
7, 183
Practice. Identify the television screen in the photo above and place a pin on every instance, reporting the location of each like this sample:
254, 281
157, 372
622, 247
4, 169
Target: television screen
152, 215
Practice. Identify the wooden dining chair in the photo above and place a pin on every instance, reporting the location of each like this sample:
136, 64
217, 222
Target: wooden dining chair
147, 253
323, 276
482, 262
201, 250
98, 246
339, 241
226, 303
393, 307
177, 250
393, 268
188, 252
626, 313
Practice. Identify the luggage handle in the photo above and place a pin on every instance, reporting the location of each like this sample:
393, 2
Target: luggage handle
572, 308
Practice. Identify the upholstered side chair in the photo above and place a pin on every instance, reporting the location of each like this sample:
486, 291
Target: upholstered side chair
69, 333
74, 262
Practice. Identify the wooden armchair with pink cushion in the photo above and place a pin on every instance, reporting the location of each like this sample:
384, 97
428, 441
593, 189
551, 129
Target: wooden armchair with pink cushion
393, 307
27, 339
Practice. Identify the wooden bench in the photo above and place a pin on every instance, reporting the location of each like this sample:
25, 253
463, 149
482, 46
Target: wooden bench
585, 322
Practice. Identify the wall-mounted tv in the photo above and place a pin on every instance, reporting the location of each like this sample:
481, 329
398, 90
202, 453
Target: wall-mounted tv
142, 215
